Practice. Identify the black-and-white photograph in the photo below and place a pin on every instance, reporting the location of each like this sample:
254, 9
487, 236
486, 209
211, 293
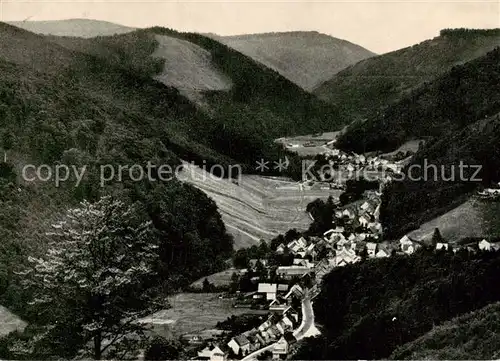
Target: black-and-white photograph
243, 180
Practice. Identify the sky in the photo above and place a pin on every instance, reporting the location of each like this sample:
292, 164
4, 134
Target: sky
380, 26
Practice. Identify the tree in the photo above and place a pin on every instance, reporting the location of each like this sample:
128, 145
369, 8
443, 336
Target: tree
437, 238
240, 259
98, 276
207, 286
162, 349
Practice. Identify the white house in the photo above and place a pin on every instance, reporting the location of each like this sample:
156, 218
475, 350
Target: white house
345, 256
280, 348
382, 253
364, 221
240, 344
213, 353
442, 245
371, 248
484, 245
407, 245
296, 291
269, 289
347, 213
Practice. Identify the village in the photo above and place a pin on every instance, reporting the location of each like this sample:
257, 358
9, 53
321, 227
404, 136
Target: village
356, 235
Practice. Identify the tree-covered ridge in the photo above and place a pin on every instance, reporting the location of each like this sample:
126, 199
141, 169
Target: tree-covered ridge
81, 110
470, 336
456, 99
365, 89
369, 309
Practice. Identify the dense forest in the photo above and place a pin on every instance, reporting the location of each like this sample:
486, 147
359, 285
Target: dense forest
364, 90
367, 310
470, 336
465, 94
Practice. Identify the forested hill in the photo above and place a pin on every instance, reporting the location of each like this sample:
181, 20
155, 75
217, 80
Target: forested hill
369, 309
239, 98
307, 58
470, 336
457, 114
366, 88
61, 106
461, 96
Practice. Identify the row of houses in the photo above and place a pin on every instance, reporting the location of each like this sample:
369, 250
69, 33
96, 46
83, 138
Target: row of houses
276, 329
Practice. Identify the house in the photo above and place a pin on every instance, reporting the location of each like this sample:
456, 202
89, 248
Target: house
484, 245
371, 249
281, 248
269, 289
278, 306
282, 288
376, 213
274, 332
288, 272
407, 245
365, 206
253, 262
264, 326
335, 230
280, 348
364, 221
349, 214
382, 253
287, 322
213, 353
345, 256
442, 245
240, 345
295, 291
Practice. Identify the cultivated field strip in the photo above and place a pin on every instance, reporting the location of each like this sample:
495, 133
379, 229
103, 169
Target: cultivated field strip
258, 207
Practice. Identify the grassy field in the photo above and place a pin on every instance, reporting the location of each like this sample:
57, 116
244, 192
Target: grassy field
9, 322
193, 312
259, 207
474, 218
217, 279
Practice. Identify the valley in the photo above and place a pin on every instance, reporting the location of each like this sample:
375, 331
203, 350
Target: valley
370, 264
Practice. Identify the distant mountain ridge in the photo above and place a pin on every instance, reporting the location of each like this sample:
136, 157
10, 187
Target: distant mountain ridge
305, 57
85, 28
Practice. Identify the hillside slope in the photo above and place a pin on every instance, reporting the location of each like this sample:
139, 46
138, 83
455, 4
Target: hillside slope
305, 58
473, 336
369, 309
84, 28
454, 100
365, 88
60, 106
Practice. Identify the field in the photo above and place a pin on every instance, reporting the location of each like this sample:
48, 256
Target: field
193, 312
9, 322
474, 218
219, 279
258, 207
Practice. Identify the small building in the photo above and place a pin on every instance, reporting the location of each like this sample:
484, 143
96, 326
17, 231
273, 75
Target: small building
280, 349
442, 246
295, 291
240, 345
212, 353
288, 272
371, 249
345, 256
269, 289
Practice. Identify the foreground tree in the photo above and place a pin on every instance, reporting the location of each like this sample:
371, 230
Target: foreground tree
98, 276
